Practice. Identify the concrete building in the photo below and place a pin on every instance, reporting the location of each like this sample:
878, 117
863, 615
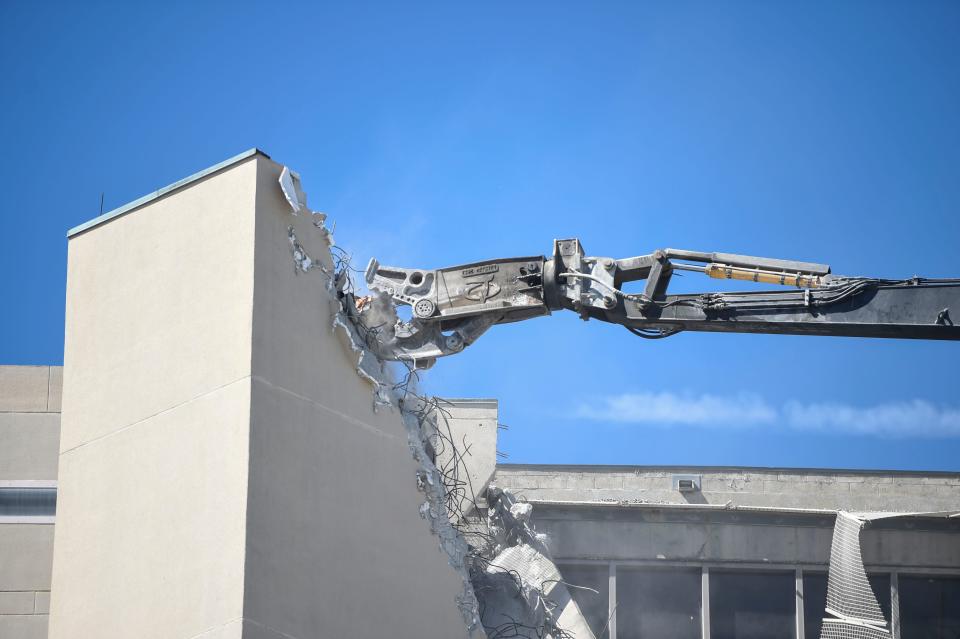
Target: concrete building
266, 490
740, 552
29, 439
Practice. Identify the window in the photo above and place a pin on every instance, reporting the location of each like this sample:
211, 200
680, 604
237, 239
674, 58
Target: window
593, 605
28, 502
658, 603
929, 607
752, 605
815, 599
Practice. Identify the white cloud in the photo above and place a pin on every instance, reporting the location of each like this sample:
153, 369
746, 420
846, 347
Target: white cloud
917, 418
899, 419
670, 408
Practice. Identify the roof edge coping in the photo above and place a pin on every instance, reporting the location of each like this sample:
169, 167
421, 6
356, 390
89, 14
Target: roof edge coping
130, 206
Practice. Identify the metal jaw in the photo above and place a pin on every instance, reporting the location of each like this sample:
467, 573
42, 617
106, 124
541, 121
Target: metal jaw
452, 307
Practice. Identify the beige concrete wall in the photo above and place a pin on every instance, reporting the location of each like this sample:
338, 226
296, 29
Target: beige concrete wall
153, 450
29, 437
222, 470
158, 308
336, 547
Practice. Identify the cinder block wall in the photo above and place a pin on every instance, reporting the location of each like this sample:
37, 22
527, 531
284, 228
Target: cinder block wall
827, 489
29, 438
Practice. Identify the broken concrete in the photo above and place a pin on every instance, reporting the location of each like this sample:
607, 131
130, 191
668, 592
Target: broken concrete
462, 438
510, 585
520, 588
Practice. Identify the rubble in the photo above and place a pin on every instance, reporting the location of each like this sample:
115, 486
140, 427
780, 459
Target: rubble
520, 588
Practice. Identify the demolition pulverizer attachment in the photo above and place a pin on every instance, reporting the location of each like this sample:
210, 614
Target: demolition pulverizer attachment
451, 307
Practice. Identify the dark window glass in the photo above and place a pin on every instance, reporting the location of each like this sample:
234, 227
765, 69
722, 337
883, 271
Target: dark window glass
658, 603
815, 599
28, 501
881, 590
929, 607
814, 603
752, 605
593, 605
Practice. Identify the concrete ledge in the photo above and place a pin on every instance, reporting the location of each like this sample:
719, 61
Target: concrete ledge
28, 483
159, 193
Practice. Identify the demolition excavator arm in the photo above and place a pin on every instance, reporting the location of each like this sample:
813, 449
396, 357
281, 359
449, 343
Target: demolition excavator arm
451, 307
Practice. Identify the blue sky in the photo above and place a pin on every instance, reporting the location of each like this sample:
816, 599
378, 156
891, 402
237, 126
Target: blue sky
442, 133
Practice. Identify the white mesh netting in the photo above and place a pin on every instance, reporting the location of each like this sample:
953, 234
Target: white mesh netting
849, 595
838, 629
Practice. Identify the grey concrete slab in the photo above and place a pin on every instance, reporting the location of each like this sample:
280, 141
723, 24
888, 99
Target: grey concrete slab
813, 545
23, 626
732, 538
768, 544
17, 603
29, 445
911, 548
591, 539
23, 389
26, 554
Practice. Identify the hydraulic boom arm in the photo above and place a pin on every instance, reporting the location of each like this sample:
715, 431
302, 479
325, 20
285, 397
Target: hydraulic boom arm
452, 307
